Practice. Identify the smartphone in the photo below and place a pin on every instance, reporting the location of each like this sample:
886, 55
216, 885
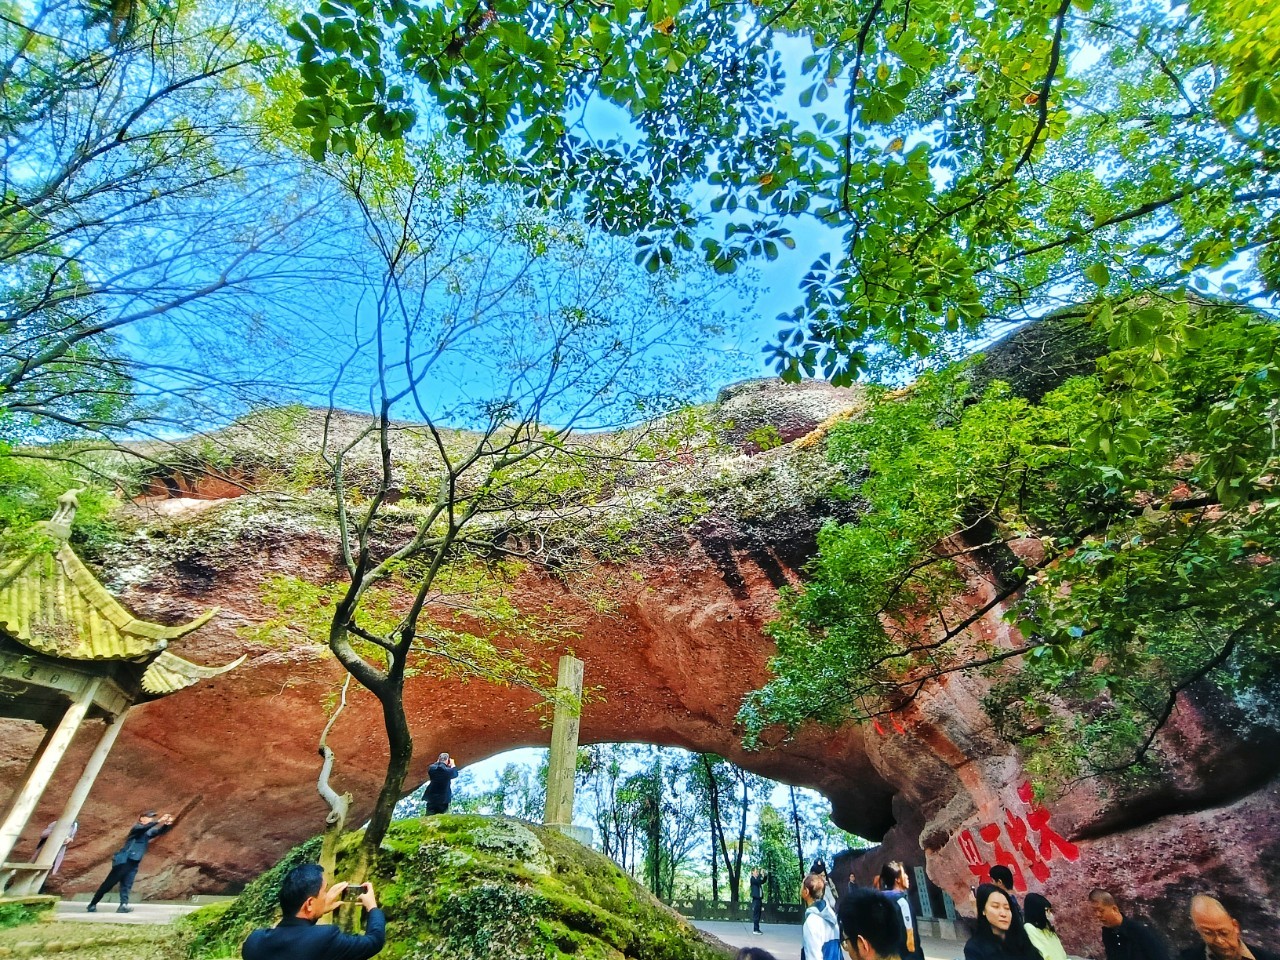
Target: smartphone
354, 892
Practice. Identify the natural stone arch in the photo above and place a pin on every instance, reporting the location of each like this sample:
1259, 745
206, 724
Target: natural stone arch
681, 644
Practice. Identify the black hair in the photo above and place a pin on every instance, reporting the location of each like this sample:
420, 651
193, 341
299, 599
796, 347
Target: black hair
1035, 910
1015, 941
754, 953
1002, 874
890, 873
875, 918
303, 881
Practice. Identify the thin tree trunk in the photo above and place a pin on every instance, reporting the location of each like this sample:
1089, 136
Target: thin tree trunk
735, 874
715, 868
795, 818
339, 804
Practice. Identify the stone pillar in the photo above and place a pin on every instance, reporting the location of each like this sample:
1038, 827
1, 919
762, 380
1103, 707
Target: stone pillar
26, 774
41, 771
563, 762
33, 881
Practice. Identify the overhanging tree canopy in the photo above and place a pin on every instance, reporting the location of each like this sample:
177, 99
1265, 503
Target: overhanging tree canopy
971, 162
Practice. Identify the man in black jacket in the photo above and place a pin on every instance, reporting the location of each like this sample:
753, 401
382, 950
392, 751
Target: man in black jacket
439, 792
757, 898
1124, 939
304, 899
124, 865
1219, 934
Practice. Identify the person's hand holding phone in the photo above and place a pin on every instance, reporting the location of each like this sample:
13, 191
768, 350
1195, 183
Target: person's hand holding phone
361, 893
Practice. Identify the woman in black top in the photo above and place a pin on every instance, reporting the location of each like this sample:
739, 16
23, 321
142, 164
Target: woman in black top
999, 933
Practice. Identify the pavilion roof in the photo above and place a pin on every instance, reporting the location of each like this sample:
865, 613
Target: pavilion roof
53, 604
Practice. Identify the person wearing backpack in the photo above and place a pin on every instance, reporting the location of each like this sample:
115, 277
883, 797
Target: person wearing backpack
820, 934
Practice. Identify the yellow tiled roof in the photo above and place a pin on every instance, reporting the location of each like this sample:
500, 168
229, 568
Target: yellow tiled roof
52, 603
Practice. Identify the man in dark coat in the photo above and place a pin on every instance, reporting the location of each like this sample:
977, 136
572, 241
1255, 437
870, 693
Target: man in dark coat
1124, 939
440, 775
1219, 934
304, 899
124, 865
757, 898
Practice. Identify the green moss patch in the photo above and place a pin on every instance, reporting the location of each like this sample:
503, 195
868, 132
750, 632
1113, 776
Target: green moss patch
481, 888
17, 912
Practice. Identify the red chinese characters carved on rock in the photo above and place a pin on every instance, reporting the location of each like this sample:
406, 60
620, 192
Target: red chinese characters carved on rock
1032, 844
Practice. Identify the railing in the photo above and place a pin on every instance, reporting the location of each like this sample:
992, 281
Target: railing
697, 909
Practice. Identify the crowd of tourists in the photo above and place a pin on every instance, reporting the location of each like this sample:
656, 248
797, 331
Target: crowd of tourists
866, 923
878, 923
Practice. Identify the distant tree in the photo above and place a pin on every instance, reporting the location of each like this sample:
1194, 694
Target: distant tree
681, 821
642, 792
775, 843
727, 792
600, 769
519, 792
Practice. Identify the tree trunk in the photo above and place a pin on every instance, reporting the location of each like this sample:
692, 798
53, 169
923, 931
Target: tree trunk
735, 872
400, 744
795, 818
715, 868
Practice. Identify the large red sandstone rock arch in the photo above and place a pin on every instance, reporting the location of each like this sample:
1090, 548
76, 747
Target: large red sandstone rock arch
672, 656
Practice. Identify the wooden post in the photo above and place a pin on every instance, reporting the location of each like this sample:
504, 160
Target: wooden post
32, 882
41, 772
563, 763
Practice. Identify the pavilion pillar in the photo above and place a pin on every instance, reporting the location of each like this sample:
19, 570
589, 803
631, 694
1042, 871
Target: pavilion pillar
41, 771
32, 882
562, 765
26, 774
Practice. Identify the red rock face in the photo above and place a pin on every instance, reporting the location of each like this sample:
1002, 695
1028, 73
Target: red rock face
679, 645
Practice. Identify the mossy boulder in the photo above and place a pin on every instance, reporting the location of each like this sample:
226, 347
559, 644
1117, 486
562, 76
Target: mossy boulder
467, 887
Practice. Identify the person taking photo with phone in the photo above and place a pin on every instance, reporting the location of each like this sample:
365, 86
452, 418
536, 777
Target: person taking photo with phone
304, 899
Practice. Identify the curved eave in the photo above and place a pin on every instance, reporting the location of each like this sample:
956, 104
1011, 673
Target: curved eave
56, 606
169, 673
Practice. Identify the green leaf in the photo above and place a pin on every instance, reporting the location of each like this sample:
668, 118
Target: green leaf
1098, 274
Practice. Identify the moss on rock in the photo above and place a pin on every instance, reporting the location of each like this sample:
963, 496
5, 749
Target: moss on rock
467, 887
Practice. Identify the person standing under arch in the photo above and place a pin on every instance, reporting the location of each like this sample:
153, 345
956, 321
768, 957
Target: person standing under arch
440, 777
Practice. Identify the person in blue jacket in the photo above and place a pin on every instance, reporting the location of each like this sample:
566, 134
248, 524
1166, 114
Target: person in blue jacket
304, 899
